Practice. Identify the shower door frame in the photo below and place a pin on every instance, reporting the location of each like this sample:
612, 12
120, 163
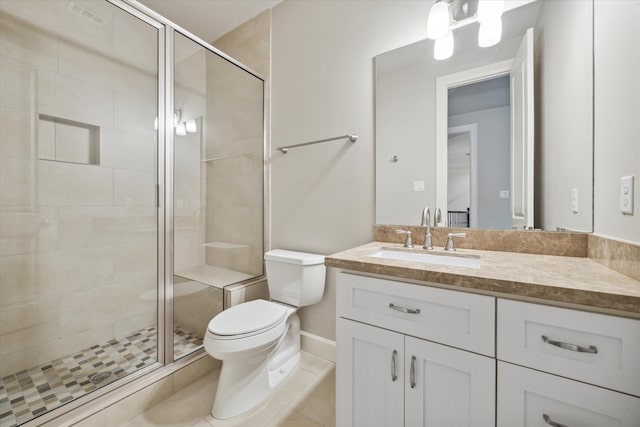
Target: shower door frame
165, 221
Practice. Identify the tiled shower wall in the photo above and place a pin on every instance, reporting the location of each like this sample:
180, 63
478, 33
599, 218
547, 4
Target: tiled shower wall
77, 241
234, 184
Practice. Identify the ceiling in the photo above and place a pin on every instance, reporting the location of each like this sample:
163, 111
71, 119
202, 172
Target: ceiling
209, 19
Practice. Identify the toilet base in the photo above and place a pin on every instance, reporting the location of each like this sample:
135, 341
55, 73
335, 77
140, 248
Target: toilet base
247, 381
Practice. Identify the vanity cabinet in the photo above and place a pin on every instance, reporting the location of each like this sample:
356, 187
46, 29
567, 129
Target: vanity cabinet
574, 367
397, 375
416, 355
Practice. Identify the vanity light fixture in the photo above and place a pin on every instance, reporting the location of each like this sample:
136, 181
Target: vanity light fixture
447, 15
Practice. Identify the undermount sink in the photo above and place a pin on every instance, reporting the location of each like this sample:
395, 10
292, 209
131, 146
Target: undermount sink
452, 260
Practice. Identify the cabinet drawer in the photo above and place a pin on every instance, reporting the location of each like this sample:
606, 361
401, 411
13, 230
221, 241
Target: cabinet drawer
454, 318
533, 398
595, 348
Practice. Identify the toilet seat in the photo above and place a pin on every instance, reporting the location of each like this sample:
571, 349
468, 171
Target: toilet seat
247, 319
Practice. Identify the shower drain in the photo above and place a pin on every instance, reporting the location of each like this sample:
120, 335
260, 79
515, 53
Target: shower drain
99, 377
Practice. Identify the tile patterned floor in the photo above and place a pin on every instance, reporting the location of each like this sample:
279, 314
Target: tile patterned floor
306, 399
32, 392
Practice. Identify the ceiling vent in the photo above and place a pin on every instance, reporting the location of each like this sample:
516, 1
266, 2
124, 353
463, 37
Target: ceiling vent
85, 13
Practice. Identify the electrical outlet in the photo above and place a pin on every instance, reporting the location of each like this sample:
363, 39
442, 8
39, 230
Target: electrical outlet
574, 200
418, 185
626, 195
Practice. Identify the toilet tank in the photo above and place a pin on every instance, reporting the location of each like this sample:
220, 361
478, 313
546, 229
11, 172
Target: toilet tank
295, 278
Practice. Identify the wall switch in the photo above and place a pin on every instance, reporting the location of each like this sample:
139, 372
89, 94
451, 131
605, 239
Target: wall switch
504, 194
574, 200
626, 195
418, 185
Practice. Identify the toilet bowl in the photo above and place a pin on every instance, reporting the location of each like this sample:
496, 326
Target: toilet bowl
259, 341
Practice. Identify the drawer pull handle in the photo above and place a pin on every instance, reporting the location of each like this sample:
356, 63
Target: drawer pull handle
412, 372
548, 420
393, 365
404, 309
572, 347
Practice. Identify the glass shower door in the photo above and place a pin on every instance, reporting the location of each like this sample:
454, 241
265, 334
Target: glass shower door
78, 215
218, 186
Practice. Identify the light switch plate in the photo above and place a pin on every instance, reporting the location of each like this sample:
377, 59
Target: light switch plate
626, 195
418, 185
574, 200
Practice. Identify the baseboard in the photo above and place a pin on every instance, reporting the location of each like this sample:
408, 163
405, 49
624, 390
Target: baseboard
318, 346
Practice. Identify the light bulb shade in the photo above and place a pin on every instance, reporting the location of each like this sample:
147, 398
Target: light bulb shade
443, 48
181, 129
489, 10
191, 126
490, 33
438, 21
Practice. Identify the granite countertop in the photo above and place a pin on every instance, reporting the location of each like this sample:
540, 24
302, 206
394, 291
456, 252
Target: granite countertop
557, 279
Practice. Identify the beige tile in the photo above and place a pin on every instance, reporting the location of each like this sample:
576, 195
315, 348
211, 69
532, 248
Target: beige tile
74, 99
183, 409
90, 227
192, 372
19, 317
127, 150
21, 42
134, 114
15, 133
25, 278
81, 269
85, 310
315, 364
133, 261
28, 337
133, 188
28, 232
17, 188
120, 413
70, 344
124, 327
68, 184
15, 84
291, 418
319, 403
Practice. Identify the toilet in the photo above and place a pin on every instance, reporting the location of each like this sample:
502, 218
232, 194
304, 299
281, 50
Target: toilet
259, 341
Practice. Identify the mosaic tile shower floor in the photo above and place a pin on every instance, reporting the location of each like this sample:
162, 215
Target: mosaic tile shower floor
32, 392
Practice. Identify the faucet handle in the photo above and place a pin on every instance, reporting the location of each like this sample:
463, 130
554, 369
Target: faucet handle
450, 246
408, 243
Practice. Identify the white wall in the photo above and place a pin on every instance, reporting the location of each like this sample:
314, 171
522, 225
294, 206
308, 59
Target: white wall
617, 100
564, 126
323, 86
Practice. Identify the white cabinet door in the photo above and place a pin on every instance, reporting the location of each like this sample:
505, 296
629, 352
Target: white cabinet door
369, 376
447, 387
532, 398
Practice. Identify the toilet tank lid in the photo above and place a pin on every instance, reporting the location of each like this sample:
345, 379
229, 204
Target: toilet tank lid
292, 257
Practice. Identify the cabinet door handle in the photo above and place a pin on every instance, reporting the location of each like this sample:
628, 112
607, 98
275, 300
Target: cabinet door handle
404, 309
393, 365
548, 420
412, 372
572, 347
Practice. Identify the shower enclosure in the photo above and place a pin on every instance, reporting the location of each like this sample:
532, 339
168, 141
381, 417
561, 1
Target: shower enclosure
131, 195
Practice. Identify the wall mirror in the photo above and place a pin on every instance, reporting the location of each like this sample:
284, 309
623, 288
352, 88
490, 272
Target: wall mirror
445, 128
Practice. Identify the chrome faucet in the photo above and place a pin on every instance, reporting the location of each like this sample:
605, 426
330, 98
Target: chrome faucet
426, 221
450, 246
408, 243
437, 217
